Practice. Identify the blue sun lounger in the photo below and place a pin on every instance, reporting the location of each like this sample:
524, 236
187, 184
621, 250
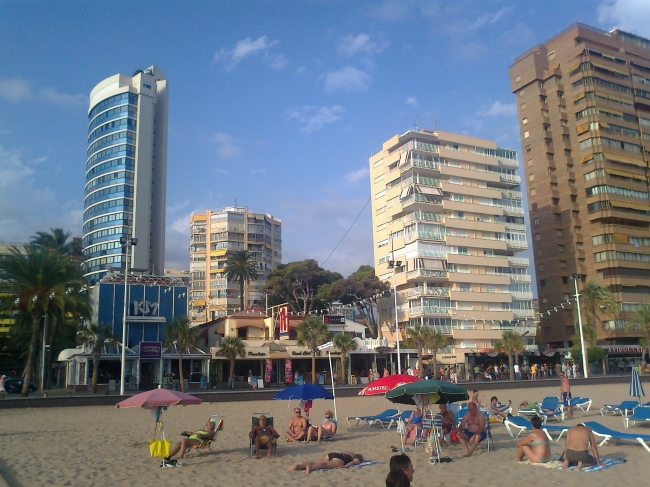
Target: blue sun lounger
625, 408
609, 434
581, 403
641, 413
403, 416
376, 418
519, 425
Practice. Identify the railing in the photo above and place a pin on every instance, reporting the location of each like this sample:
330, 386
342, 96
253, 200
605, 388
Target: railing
509, 193
425, 273
447, 349
437, 254
465, 308
520, 277
518, 244
510, 178
428, 235
419, 198
515, 210
372, 343
429, 291
522, 295
428, 310
508, 162
523, 313
421, 215
520, 227
519, 261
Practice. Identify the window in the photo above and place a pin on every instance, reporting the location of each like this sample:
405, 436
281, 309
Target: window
526, 134
556, 201
534, 206
521, 93
565, 280
538, 236
559, 232
531, 177
560, 248
528, 149
544, 299
523, 107
542, 98
547, 330
563, 264
551, 170
517, 79
542, 283
536, 221
558, 216
551, 55
524, 121
530, 162
533, 191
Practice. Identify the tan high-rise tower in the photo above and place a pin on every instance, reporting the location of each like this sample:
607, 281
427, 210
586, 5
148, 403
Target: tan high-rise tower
583, 99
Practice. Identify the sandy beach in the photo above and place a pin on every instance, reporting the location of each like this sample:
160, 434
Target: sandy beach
106, 446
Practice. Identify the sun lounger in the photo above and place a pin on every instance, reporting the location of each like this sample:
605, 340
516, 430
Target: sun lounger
394, 418
377, 418
625, 408
610, 434
641, 413
581, 403
551, 408
516, 424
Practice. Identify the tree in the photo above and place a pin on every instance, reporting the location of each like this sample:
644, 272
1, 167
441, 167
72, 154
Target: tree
437, 342
231, 348
39, 279
312, 332
641, 321
346, 344
419, 337
596, 299
179, 332
511, 343
240, 267
58, 240
95, 335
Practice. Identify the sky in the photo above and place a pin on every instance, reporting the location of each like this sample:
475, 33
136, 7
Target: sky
275, 106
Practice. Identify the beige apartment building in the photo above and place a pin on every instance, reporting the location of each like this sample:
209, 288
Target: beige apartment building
583, 100
214, 236
447, 213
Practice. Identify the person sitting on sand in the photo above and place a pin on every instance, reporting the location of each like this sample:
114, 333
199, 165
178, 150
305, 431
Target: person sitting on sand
415, 420
448, 422
401, 471
472, 429
329, 461
263, 435
535, 446
326, 429
497, 410
297, 427
576, 448
193, 440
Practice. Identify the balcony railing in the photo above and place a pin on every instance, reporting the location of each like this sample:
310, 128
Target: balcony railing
517, 244
425, 273
512, 210
508, 162
429, 310
429, 291
524, 261
524, 313
519, 227
520, 278
509, 193
510, 178
420, 198
372, 343
522, 295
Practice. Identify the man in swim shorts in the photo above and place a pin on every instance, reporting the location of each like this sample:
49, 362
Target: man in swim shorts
263, 435
472, 429
565, 390
576, 448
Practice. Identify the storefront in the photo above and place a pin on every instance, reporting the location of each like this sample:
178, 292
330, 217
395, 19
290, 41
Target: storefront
621, 358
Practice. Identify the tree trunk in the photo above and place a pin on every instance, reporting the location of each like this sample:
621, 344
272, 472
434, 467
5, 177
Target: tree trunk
420, 363
232, 372
434, 361
180, 370
344, 373
96, 355
48, 356
313, 367
33, 348
241, 294
511, 367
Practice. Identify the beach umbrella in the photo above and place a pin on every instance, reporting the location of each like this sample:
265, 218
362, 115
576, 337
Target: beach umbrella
636, 388
304, 392
385, 384
160, 399
437, 392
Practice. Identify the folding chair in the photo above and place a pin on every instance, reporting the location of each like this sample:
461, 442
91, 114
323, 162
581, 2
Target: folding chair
255, 420
218, 426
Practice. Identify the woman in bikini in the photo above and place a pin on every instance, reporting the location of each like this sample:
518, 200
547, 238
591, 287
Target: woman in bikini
535, 446
331, 460
415, 420
325, 430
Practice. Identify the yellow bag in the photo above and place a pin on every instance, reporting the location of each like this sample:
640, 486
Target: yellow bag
159, 447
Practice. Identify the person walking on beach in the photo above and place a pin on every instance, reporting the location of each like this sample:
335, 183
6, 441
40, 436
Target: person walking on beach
329, 461
565, 393
576, 448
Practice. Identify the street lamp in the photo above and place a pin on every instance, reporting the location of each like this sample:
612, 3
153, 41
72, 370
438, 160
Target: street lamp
393, 265
575, 278
125, 242
328, 346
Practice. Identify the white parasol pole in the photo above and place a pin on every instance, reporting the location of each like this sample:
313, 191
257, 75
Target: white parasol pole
328, 346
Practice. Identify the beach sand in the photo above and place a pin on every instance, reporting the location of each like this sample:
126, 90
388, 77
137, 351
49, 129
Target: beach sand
106, 446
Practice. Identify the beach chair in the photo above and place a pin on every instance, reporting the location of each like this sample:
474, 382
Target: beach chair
423, 430
377, 418
251, 444
517, 424
328, 436
624, 408
396, 417
218, 426
641, 413
581, 403
551, 408
609, 434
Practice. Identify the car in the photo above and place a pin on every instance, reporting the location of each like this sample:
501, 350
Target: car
14, 385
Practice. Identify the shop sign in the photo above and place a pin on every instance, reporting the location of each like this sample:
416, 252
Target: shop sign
144, 308
150, 350
267, 370
288, 373
283, 318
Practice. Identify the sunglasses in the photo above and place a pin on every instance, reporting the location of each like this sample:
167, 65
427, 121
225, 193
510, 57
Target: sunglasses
297, 412
327, 417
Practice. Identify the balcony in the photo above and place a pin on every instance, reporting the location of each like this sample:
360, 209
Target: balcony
523, 313
520, 278
473, 278
426, 292
480, 297
519, 227
427, 311
509, 193
510, 179
424, 273
521, 295
508, 162
517, 244
428, 203
512, 210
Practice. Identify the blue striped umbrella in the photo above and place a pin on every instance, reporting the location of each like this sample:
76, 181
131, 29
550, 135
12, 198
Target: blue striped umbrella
636, 388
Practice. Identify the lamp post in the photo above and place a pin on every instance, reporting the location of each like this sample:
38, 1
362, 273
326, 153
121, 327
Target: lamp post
575, 278
393, 265
126, 242
328, 346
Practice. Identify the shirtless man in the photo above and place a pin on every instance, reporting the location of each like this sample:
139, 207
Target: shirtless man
565, 389
476, 398
576, 448
472, 429
263, 435
297, 427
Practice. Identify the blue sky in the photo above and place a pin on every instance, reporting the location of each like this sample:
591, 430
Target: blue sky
274, 105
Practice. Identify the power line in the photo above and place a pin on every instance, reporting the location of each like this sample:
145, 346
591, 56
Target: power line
346, 233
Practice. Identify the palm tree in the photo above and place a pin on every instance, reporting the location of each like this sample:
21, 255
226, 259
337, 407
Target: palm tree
641, 321
231, 348
179, 332
39, 278
597, 299
312, 332
512, 343
58, 240
437, 342
346, 344
419, 337
241, 267
95, 336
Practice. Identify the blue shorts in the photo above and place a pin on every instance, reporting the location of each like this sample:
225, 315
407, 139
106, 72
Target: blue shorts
469, 435
566, 398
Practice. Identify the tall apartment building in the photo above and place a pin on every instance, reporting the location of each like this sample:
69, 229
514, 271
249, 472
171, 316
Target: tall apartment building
448, 208
126, 173
214, 236
583, 100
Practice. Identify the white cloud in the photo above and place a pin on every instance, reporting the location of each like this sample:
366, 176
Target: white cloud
17, 90
313, 118
248, 47
257, 171
499, 109
177, 241
356, 176
177, 207
411, 100
629, 15
359, 44
226, 144
346, 79
488, 19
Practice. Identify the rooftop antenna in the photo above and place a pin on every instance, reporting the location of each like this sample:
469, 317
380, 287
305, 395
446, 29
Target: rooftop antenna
415, 125
435, 123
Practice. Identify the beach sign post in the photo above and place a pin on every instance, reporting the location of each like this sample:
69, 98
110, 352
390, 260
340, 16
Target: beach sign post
328, 346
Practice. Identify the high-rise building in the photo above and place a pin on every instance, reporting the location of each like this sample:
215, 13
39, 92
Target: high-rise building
583, 99
214, 236
448, 223
126, 173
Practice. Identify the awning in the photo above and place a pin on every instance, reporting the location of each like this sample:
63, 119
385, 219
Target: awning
406, 191
603, 124
402, 157
218, 252
631, 205
433, 264
279, 355
625, 174
609, 110
428, 190
586, 158
623, 159
609, 68
582, 128
579, 97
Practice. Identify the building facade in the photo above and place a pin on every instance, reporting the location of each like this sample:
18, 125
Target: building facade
448, 223
214, 236
583, 101
126, 173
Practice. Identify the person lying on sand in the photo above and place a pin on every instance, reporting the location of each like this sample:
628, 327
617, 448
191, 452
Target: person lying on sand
576, 448
331, 460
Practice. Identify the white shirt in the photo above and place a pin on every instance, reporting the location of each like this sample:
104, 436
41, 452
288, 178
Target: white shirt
516, 367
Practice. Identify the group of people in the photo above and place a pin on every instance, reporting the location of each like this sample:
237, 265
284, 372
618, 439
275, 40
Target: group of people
527, 372
300, 429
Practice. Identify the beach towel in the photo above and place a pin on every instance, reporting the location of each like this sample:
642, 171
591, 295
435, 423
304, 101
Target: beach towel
557, 464
362, 464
